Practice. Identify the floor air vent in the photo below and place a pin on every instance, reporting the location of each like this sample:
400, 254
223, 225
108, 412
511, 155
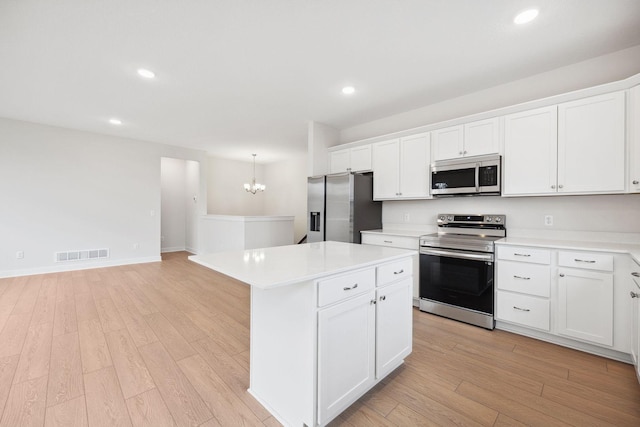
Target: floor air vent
82, 255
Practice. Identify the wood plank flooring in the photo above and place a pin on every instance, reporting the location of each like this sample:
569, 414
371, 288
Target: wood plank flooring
167, 344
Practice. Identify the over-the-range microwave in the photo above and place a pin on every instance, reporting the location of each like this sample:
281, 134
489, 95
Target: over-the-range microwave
469, 176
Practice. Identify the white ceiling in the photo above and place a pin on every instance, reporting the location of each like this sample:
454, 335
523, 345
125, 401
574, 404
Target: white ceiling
241, 76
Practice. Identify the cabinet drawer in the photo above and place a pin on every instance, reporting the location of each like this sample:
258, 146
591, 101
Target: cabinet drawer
336, 288
393, 271
404, 242
524, 254
586, 260
523, 309
532, 279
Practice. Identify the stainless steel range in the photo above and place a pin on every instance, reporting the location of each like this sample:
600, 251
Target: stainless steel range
457, 267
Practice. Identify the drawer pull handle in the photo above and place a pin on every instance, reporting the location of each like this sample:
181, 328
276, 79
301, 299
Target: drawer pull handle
383, 297
399, 272
388, 241
634, 295
521, 309
348, 289
523, 278
635, 274
588, 261
525, 255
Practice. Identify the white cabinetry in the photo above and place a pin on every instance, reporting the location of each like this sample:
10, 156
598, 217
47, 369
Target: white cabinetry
585, 305
591, 145
401, 168
471, 139
530, 152
350, 159
346, 340
523, 286
634, 139
577, 147
634, 294
363, 335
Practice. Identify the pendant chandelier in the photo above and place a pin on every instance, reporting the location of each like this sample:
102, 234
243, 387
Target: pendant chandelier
254, 187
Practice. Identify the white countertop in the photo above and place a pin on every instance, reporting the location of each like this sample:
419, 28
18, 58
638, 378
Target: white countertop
248, 218
631, 249
284, 265
395, 232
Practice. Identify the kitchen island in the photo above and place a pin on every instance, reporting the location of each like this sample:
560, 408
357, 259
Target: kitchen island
329, 321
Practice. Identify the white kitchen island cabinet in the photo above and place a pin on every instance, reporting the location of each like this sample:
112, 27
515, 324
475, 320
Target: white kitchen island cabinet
329, 320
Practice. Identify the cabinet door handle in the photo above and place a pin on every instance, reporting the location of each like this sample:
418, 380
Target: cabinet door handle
560, 186
634, 295
521, 277
398, 272
553, 187
635, 274
372, 302
460, 153
348, 289
635, 182
561, 275
588, 261
383, 297
524, 255
521, 309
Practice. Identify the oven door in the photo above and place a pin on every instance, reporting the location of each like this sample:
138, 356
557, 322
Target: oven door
459, 278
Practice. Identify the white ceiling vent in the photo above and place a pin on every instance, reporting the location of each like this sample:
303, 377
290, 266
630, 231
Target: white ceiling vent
82, 255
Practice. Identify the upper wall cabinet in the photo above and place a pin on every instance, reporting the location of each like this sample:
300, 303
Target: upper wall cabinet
591, 148
401, 168
471, 139
634, 139
350, 159
530, 152
575, 148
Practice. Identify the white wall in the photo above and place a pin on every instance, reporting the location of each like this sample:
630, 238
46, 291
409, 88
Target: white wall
62, 190
596, 71
320, 137
226, 195
287, 186
193, 207
611, 216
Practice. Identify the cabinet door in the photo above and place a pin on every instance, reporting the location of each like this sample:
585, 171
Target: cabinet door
481, 137
339, 161
361, 158
393, 325
346, 345
447, 143
386, 174
530, 152
585, 305
591, 146
634, 139
414, 166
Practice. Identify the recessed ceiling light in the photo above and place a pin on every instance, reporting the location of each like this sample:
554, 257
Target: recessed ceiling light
348, 90
114, 121
147, 74
526, 16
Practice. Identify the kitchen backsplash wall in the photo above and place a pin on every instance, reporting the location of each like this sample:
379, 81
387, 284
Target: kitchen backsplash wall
606, 216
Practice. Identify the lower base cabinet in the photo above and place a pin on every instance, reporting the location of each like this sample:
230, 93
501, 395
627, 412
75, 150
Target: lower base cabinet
585, 305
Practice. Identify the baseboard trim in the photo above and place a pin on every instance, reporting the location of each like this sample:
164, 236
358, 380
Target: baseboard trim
76, 266
173, 249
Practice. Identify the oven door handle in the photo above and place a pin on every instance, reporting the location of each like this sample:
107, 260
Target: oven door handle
461, 255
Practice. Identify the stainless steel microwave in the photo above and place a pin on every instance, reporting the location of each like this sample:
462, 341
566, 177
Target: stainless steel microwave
478, 175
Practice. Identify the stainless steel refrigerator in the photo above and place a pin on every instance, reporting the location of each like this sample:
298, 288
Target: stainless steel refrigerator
340, 206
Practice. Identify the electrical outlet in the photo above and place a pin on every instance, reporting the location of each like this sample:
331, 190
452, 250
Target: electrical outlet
548, 220
19, 255
136, 246
406, 217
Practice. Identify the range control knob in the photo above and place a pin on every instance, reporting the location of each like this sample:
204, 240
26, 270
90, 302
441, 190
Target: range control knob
490, 219
442, 217
498, 219
450, 218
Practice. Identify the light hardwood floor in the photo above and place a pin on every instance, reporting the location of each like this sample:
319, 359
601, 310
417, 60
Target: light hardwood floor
167, 344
